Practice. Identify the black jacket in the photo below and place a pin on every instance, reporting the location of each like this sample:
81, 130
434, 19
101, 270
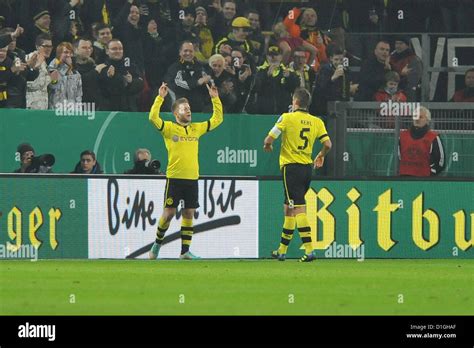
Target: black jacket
327, 90
131, 37
6, 76
182, 79
272, 93
118, 95
91, 91
371, 78
17, 85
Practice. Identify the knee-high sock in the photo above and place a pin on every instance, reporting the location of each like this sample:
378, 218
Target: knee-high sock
186, 234
287, 234
161, 230
305, 232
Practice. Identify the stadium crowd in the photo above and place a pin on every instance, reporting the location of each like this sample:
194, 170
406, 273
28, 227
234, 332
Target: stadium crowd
116, 53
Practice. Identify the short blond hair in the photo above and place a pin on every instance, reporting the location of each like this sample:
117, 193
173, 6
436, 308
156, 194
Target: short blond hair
215, 58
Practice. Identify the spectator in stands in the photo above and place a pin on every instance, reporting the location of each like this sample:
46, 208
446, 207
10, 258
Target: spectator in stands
372, 72
87, 164
421, 151
333, 17
42, 24
31, 164
16, 89
239, 67
7, 73
304, 72
289, 44
186, 29
405, 62
157, 48
304, 24
237, 39
85, 65
256, 37
128, 31
223, 18
391, 89
204, 32
37, 91
274, 85
466, 94
224, 81
334, 82
390, 92
186, 78
120, 80
66, 23
5, 39
104, 35
68, 88
76, 30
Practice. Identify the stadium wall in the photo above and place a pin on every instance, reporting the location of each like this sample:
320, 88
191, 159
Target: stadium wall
234, 149
115, 217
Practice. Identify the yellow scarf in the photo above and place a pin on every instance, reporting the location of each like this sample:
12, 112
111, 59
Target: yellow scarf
105, 14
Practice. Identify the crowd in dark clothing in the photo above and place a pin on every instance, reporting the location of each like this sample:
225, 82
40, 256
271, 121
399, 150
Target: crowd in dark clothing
124, 49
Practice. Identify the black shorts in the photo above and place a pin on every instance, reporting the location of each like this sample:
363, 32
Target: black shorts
178, 190
296, 182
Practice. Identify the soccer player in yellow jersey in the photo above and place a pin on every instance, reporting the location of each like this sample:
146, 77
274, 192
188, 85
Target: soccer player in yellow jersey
300, 131
182, 142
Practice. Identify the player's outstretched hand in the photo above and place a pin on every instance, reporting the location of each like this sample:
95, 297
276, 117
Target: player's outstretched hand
213, 92
163, 90
318, 161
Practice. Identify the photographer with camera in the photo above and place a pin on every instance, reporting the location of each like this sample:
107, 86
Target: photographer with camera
32, 164
88, 164
143, 164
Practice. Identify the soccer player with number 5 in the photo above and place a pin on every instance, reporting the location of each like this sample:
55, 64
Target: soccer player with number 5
300, 131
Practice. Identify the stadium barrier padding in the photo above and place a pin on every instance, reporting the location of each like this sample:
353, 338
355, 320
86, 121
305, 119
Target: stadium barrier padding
115, 217
235, 148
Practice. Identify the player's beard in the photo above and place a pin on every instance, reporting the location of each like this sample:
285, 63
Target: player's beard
184, 121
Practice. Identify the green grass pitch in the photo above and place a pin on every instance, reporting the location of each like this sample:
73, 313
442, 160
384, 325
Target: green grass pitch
236, 287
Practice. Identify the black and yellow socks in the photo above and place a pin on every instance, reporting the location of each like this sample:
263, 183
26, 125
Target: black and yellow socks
287, 234
186, 234
161, 230
304, 230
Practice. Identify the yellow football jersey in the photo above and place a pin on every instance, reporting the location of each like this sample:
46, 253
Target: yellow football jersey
182, 142
300, 131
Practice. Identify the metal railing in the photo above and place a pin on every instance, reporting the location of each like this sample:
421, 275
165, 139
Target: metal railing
365, 139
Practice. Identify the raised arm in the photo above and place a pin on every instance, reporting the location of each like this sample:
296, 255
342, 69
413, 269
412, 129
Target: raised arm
218, 114
154, 115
